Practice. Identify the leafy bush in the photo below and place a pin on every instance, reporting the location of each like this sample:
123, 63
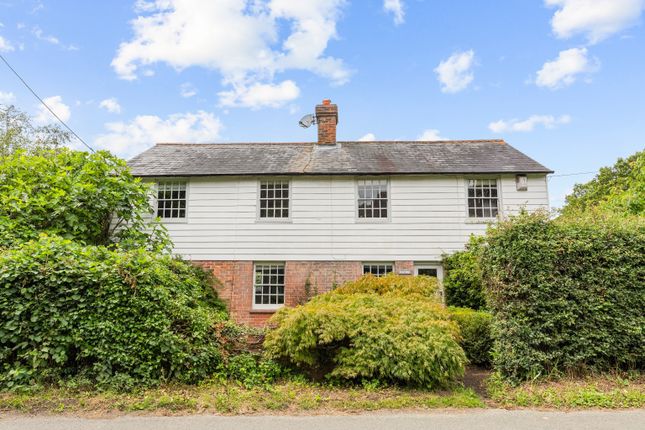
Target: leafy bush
619, 189
566, 296
114, 318
251, 370
89, 198
476, 337
389, 328
463, 278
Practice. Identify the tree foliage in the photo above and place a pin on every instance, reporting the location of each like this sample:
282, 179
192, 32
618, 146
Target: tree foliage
391, 329
619, 188
566, 295
18, 133
89, 198
113, 318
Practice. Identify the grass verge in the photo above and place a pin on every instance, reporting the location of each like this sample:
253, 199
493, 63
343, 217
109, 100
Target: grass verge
230, 399
603, 391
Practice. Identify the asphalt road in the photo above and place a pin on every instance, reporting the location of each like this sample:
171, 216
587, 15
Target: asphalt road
471, 420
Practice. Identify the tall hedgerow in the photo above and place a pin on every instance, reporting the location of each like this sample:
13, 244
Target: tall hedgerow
567, 296
112, 318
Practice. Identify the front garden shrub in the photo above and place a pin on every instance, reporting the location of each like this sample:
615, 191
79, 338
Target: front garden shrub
251, 370
117, 319
463, 278
390, 329
476, 337
567, 296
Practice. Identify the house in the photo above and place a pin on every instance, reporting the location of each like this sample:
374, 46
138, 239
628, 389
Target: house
270, 218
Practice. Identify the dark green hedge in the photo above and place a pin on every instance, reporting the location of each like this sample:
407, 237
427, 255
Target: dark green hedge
566, 296
116, 319
476, 336
462, 281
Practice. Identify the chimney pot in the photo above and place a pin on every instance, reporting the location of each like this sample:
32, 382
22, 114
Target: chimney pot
327, 118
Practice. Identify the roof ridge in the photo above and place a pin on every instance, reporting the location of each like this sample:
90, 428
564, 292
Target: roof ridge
500, 141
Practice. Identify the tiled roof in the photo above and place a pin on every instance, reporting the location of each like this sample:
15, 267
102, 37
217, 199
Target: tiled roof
344, 158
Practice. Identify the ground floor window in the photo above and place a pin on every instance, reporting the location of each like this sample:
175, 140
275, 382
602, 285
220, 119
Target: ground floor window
377, 269
268, 286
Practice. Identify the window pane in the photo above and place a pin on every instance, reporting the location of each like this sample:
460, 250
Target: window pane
372, 197
482, 198
171, 196
269, 284
274, 196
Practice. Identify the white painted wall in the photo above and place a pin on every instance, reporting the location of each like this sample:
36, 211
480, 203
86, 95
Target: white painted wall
428, 218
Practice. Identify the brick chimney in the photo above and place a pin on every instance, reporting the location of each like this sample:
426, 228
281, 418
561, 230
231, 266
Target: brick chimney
327, 118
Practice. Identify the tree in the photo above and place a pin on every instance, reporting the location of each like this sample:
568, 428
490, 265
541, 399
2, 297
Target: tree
18, 132
619, 189
89, 198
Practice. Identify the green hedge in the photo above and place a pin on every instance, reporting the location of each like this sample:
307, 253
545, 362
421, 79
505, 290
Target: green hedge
116, 319
390, 328
476, 336
462, 281
566, 296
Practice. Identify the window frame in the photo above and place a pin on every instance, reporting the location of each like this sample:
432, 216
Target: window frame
183, 220
377, 263
270, 306
483, 220
388, 189
258, 204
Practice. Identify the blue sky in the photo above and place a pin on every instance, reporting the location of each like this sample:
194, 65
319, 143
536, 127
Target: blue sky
561, 80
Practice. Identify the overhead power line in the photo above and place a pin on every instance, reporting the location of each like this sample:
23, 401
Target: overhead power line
572, 174
45, 104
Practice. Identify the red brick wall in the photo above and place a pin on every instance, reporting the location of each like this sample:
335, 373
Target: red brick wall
236, 278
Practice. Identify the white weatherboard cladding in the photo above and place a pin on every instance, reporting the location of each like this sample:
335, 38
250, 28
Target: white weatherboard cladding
428, 218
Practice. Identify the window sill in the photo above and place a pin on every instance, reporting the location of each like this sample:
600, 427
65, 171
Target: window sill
173, 221
481, 220
273, 221
265, 311
372, 220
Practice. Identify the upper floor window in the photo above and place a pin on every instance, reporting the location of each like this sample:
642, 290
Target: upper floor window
372, 198
171, 199
377, 269
482, 198
274, 199
268, 286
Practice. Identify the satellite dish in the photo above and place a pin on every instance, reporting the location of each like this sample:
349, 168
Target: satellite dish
307, 120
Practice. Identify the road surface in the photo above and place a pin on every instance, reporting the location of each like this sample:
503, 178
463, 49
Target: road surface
444, 420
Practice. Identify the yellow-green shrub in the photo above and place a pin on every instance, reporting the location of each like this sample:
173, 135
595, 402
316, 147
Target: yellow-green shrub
370, 329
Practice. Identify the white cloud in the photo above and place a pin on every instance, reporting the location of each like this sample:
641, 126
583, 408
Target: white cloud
455, 73
259, 95
55, 103
40, 35
247, 41
596, 19
6, 98
431, 134
187, 90
529, 124
565, 69
395, 7
130, 138
5, 45
111, 105
369, 137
